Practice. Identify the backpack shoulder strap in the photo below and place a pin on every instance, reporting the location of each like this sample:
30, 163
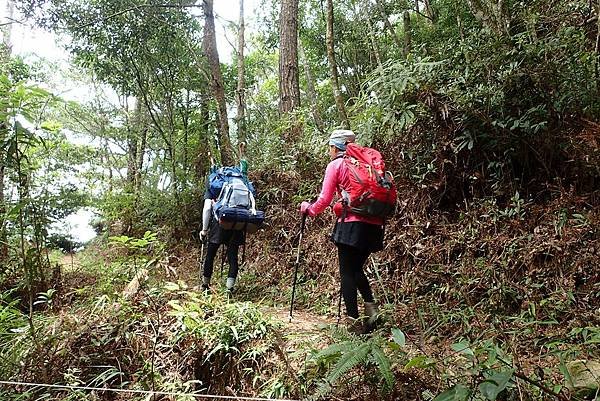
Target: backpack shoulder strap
252, 203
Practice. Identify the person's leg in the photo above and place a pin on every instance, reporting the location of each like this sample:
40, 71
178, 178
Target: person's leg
364, 288
362, 283
211, 253
347, 256
232, 258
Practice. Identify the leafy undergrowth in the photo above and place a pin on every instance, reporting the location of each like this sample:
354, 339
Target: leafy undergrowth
489, 301
167, 335
501, 295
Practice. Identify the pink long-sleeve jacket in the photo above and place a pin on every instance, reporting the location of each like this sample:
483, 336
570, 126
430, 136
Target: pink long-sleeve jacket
336, 179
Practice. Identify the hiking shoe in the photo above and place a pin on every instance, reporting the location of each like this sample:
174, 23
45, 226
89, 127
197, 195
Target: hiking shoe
355, 326
205, 289
372, 313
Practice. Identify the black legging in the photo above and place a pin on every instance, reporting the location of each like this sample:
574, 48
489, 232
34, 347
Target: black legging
232, 258
353, 277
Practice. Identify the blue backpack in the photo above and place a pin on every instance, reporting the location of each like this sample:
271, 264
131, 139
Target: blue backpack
223, 175
235, 206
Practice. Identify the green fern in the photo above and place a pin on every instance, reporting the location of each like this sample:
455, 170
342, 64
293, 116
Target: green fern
349, 360
347, 355
335, 350
385, 367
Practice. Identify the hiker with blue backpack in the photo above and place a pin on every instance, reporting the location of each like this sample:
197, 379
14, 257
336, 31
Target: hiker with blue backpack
366, 197
229, 213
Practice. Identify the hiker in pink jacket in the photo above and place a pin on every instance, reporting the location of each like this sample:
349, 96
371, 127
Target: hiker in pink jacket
355, 236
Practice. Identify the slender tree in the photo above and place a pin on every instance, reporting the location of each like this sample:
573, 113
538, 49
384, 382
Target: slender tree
337, 94
492, 14
142, 127
310, 91
374, 45
430, 11
407, 33
387, 24
216, 80
132, 146
289, 87
597, 47
241, 100
5, 52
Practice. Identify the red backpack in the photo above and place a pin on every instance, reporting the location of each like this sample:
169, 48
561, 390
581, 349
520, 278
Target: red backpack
371, 191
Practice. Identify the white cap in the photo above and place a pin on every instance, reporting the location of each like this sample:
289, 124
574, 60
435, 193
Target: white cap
340, 137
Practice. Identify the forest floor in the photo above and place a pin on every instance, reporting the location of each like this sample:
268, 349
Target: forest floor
100, 320
70, 262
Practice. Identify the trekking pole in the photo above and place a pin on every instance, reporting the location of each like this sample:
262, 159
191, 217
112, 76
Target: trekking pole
243, 253
302, 225
201, 256
340, 306
222, 258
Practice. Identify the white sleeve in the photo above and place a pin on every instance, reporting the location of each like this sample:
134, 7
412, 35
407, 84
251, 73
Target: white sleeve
206, 210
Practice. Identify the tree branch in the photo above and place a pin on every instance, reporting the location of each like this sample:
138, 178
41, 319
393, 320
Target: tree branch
12, 21
138, 7
423, 15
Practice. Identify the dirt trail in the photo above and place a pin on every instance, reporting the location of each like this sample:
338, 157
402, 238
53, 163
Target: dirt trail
70, 262
305, 332
302, 322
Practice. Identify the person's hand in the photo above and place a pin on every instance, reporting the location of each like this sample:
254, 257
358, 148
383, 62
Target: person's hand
203, 235
304, 207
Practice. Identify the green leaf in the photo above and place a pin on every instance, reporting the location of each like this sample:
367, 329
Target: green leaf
563, 369
51, 125
34, 90
170, 286
335, 349
176, 305
463, 348
14, 211
384, 365
399, 337
122, 239
494, 384
418, 362
348, 360
457, 393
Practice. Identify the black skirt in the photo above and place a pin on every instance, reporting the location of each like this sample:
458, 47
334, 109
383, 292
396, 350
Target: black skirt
364, 236
218, 235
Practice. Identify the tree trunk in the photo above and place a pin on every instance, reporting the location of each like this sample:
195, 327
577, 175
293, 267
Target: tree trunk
133, 132
491, 13
597, 65
241, 100
132, 147
216, 81
141, 151
407, 33
289, 86
337, 95
387, 24
185, 117
5, 53
429, 10
107, 164
461, 29
205, 140
311, 93
375, 47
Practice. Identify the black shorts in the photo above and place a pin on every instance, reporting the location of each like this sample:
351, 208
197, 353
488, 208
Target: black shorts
364, 236
218, 235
